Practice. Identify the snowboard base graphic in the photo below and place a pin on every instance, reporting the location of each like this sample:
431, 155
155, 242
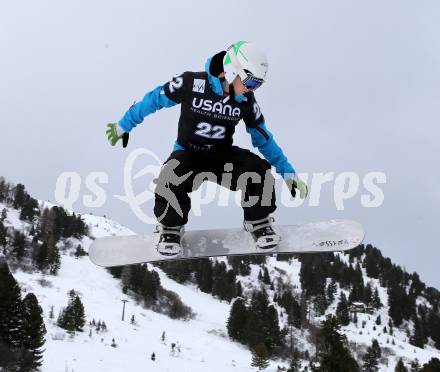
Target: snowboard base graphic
328, 236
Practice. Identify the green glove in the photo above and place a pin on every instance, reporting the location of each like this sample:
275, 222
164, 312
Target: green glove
114, 133
295, 184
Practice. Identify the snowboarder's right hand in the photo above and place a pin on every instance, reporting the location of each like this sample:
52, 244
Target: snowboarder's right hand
295, 184
115, 133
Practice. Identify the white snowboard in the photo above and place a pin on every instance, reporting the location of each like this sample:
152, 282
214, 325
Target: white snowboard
328, 236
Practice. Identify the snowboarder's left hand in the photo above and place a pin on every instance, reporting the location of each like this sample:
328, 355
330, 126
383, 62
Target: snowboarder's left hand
115, 133
295, 184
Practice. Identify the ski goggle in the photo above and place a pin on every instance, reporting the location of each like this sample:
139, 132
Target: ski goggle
250, 81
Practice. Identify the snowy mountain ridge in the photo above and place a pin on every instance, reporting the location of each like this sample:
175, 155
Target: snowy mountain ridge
201, 343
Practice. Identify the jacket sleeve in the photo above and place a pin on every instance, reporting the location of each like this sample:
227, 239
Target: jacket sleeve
152, 101
266, 144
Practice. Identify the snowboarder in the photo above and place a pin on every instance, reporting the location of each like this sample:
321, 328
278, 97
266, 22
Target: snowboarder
212, 104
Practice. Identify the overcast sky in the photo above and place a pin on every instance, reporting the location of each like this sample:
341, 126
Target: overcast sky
353, 86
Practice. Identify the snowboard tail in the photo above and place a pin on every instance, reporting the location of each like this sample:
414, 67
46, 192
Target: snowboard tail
328, 236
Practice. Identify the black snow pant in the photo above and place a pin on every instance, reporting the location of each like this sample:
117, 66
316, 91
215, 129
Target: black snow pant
234, 168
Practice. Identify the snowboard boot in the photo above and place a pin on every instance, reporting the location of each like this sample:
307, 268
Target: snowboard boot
266, 239
170, 240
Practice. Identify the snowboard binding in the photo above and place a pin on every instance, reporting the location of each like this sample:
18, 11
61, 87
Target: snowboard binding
170, 240
266, 239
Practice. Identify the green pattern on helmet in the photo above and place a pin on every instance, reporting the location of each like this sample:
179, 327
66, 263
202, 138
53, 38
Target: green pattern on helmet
227, 60
237, 46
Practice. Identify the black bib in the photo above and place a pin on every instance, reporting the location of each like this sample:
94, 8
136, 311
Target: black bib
207, 121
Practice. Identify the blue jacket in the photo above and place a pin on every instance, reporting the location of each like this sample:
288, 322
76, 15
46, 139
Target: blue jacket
262, 138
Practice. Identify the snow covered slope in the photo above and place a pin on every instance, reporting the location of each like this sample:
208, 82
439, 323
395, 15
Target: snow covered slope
202, 343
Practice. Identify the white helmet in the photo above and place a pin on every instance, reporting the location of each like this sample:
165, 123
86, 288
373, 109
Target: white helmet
247, 61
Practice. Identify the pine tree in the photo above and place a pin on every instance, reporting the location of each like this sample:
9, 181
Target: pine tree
19, 244
65, 320
29, 209
19, 196
356, 293
240, 265
292, 307
320, 303
224, 284
266, 276
132, 321
401, 306
371, 263
377, 304
390, 325
12, 352
332, 345
376, 348
72, 318
33, 331
304, 309
11, 309
126, 278
4, 215
153, 357
417, 286
150, 285
2, 234
295, 362
3, 190
371, 358
204, 275
400, 367
378, 320
370, 362
313, 274
415, 366
40, 257
79, 314
368, 294
9, 358
53, 255
238, 289
433, 325
419, 337
262, 322
236, 324
273, 338
260, 357
342, 310
79, 252
331, 290
432, 366
47, 223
